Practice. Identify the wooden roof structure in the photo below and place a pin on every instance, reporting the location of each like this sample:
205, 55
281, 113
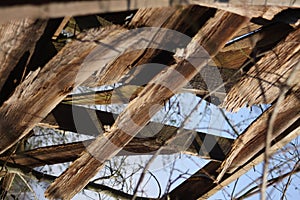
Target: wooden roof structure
36, 78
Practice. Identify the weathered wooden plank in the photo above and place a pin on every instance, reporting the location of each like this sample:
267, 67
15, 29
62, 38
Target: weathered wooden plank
212, 37
263, 82
202, 184
17, 37
52, 9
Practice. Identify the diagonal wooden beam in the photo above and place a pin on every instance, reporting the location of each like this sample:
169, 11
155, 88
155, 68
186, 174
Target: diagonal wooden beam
184, 19
212, 37
43, 89
202, 184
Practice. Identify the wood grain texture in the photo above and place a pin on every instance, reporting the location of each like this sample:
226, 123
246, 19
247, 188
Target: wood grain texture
183, 19
263, 82
136, 115
17, 37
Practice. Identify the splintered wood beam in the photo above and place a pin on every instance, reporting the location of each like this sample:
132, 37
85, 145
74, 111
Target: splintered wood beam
43, 89
17, 37
202, 185
212, 37
253, 139
262, 84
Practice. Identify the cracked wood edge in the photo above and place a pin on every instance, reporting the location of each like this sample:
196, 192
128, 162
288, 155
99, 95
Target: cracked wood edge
84, 168
180, 19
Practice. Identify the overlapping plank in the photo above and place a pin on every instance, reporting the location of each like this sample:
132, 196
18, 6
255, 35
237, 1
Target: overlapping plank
212, 37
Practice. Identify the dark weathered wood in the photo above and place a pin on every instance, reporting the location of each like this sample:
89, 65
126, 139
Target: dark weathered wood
212, 37
17, 37
263, 82
202, 184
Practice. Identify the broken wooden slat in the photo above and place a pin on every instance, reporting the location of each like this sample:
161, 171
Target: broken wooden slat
193, 187
17, 37
212, 37
263, 82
